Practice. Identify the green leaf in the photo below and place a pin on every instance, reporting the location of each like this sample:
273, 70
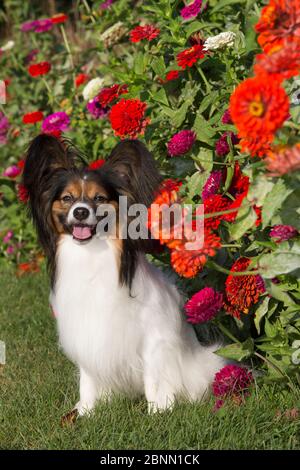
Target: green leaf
179, 115
274, 200
196, 182
203, 130
138, 64
207, 100
237, 351
158, 66
204, 159
160, 96
225, 3
284, 260
259, 189
270, 329
276, 291
260, 313
246, 219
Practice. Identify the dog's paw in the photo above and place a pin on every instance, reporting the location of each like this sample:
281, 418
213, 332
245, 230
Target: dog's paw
155, 407
69, 418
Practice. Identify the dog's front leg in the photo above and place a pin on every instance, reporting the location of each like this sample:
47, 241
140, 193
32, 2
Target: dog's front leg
158, 381
88, 394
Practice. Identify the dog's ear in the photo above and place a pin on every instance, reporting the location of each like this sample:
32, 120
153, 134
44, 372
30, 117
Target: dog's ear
133, 171
46, 155
47, 162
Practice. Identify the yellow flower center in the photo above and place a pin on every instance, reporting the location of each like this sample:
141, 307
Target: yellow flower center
256, 108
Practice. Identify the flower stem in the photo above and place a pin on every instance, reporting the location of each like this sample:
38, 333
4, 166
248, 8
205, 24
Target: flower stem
227, 332
67, 45
202, 74
89, 10
219, 268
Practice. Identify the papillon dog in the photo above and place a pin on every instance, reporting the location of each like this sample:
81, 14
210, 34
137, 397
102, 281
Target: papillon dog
119, 318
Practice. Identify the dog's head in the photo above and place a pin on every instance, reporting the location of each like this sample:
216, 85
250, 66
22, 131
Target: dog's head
65, 196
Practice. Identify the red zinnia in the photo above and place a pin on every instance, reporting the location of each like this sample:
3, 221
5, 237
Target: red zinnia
80, 79
258, 108
109, 94
242, 291
23, 195
189, 57
217, 203
41, 68
172, 75
59, 18
96, 164
127, 118
32, 118
148, 32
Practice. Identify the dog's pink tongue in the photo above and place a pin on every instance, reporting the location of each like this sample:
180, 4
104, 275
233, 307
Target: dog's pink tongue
82, 233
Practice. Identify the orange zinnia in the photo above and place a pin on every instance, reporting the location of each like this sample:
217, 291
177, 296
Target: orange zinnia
279, 20
282, 160
242, 291
282, 61
188, 263
258, 108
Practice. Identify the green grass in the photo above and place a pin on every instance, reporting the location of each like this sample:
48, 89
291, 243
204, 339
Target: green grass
38, 385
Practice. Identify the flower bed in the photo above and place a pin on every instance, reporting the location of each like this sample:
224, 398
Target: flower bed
212, 89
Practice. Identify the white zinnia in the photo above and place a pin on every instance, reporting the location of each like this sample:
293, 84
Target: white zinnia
92, 88
113, 34
9, 45
218, 42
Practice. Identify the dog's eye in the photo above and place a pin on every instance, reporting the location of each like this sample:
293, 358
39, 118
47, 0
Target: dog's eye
99, 198
67, 198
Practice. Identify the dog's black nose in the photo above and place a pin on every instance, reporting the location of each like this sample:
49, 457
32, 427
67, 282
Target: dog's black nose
81, 213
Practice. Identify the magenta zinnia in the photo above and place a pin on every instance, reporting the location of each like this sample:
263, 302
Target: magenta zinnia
181, 143
204, 305
56, 122
232, 381
282, 233
192, 10
212, 185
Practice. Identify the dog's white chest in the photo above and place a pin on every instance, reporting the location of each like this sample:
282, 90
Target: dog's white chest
95, 316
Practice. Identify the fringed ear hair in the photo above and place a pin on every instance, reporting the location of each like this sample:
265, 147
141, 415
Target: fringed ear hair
133, 171
46, 155
47, 160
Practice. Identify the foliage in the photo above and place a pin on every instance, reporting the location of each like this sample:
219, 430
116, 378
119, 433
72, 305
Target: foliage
196, 100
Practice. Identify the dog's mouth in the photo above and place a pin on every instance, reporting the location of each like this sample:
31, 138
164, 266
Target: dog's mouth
83, 232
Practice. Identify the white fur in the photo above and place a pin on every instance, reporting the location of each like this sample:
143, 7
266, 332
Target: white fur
139, 345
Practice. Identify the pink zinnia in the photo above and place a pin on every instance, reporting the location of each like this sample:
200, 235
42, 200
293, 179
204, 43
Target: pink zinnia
181, 143
192, 10
56, 122
8, 236
12, 171
43, 25
232, 380
226, 118
204, 305
283, 232
222, 146
212, 184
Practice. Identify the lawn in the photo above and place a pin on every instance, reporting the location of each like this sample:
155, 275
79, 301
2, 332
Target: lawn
38, 385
